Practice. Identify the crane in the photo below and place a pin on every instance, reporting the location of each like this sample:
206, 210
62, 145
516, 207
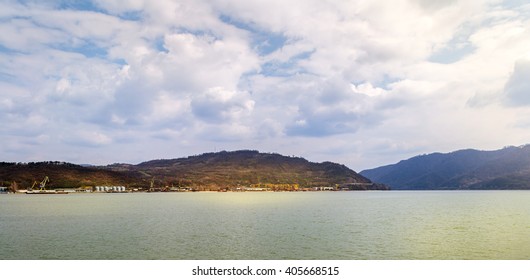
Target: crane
42, 185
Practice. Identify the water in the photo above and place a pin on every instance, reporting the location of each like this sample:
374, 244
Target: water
323, 225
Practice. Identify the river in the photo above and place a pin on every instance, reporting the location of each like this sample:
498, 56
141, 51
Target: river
392, 225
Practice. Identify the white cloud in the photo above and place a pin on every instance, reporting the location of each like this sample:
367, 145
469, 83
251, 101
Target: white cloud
218, 105
86, 138
359, 82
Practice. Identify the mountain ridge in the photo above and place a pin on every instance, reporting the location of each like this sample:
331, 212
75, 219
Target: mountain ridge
506, 168
208, 171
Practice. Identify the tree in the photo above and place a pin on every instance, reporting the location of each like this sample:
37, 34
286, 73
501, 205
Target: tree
13, 187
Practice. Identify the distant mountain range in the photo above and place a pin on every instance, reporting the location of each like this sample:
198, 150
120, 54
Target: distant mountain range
210, 171
508, 168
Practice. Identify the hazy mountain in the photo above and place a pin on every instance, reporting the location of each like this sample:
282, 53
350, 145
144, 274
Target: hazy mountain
508, 168
207, 171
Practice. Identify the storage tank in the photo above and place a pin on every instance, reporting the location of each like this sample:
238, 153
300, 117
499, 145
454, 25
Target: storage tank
98, 189
122, 189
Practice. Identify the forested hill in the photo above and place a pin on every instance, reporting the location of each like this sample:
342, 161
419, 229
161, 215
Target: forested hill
61, 174
246, 168
210, 171
508, 168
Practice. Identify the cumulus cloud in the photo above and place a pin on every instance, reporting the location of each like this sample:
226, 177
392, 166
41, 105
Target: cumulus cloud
218, 105
362, 82
332, 106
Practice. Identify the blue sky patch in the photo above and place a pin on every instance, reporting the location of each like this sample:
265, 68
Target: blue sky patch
284, 69
88, 49
159, 44
78, 5
452, 53
262, 41
458, 47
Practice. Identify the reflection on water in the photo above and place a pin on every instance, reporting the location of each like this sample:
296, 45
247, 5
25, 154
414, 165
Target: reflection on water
327, 225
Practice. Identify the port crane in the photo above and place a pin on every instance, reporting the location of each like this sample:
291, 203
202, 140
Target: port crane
42, 185
33, 186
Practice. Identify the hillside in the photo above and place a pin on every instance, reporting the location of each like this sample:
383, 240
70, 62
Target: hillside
248, 168
211, 171
508, 168
61, 174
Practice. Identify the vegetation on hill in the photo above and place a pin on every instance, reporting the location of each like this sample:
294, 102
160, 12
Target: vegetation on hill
210, 171
508, 168
61, 174
249, 168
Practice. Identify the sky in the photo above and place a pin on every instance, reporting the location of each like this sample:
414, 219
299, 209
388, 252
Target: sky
363, 83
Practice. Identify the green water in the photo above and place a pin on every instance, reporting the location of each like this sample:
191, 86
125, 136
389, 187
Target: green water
324, 225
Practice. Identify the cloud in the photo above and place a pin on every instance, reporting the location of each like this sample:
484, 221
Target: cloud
87, 138
517, 89
434, 5
323, 123
333, 106
360, 82
218, 105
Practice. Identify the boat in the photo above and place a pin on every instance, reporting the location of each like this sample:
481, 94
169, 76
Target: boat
46, 192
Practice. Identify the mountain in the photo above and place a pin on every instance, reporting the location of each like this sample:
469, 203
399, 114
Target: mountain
62, 175
249, 168
507, 168
210, 171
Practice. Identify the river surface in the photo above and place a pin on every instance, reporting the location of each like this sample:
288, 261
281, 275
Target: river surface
313, 225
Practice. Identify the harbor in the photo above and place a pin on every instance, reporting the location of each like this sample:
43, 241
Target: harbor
101, 189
